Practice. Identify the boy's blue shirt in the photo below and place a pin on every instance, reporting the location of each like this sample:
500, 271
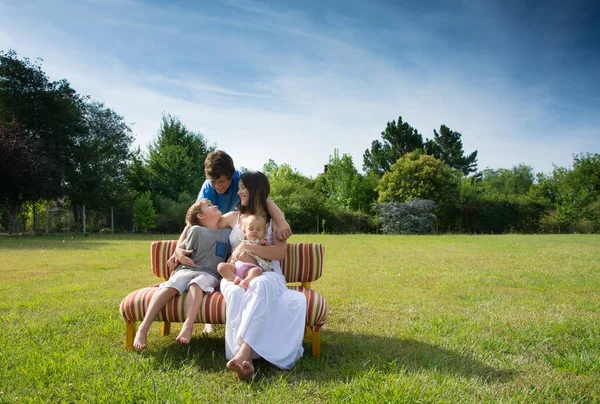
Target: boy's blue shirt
227, 201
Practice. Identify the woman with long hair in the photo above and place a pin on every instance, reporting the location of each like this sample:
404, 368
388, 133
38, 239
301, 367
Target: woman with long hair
267, 319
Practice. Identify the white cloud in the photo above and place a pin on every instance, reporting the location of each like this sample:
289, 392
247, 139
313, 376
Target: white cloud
320, 93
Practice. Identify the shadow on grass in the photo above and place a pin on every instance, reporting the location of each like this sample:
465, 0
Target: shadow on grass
206, 352
344, 356
348, 355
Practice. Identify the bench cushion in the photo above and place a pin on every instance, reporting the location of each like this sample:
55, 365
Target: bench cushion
134, 306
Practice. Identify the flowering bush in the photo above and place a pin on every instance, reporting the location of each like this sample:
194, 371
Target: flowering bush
410, 217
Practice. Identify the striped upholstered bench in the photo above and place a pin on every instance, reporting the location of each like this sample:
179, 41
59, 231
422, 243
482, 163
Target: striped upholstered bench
303, 264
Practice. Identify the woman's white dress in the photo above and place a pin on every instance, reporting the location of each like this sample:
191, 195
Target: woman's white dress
268, 316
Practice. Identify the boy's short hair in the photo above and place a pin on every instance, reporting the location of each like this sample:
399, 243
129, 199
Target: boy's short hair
191, 217
218, 163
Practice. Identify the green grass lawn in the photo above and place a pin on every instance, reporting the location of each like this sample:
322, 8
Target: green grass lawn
411, 318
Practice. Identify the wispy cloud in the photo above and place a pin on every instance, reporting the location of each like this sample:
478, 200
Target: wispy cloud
268, 81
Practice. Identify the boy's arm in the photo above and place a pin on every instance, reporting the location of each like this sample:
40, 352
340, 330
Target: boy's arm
180, 256
283, 230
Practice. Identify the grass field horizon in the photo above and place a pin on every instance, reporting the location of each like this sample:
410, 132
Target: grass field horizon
411, 319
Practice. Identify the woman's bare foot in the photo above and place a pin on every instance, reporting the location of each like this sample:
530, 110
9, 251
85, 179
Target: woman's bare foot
140, 339
185, 335
244, 369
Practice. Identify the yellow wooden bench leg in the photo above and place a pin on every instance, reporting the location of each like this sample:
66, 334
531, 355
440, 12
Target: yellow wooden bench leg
307, 333
165, 329
129, 334
316, 344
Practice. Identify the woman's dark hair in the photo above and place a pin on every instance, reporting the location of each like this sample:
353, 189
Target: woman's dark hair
259, 189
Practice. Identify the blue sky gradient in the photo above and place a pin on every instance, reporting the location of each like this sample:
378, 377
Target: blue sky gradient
292, 80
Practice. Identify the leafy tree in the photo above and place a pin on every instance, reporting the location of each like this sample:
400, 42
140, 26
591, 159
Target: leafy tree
397, 140
420, 176
22, 165
578, 191
171, 218
363, 192
502, 200
410, 217
337, 181
176, 159
296, 196
144, 215
49, 115
100, 159
517, 181
136, 174
447, 146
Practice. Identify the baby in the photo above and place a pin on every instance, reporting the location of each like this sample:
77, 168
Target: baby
247, 265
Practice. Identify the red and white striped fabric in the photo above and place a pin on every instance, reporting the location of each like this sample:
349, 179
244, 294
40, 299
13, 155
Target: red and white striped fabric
160, 251
303, 263
135, 304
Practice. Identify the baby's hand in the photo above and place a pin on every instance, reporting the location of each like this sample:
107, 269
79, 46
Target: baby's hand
263, 242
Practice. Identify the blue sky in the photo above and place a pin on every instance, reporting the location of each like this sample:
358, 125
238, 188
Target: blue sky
292, 80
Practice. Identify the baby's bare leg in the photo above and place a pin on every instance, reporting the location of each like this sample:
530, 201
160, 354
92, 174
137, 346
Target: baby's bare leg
227, 271
249, 275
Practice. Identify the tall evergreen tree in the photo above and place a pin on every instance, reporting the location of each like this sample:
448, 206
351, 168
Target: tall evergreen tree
447, 146
176, 159
397, 140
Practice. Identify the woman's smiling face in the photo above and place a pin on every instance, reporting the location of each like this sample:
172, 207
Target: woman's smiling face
243, 194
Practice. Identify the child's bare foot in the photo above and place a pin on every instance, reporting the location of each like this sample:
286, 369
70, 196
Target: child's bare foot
244, 369
244, 284
185, 335
140, 339
237, 280
209, 328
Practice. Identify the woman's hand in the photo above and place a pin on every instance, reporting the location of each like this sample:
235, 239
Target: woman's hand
284, 232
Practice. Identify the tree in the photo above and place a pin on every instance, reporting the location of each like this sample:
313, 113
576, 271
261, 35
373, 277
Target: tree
338, 179
49, 116
420, 176
503, 200
397, 140
296, 196
447, 146
176, 159
516, 181
144, 215
136, 174
100, 158
22, 165
578, 191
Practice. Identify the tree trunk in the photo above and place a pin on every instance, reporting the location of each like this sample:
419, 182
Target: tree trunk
83, 218
112, 220
47, 214
35, 220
